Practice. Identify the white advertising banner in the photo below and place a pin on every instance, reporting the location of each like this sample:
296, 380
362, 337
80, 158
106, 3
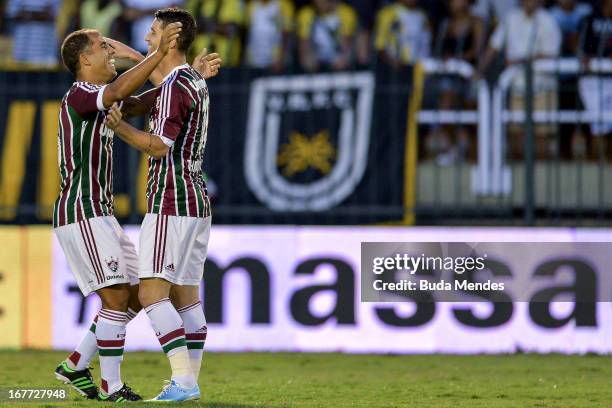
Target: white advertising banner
298, 289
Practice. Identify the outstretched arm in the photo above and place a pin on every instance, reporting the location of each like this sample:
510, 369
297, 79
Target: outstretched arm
130, 81
206, 64
126, 52
144, 141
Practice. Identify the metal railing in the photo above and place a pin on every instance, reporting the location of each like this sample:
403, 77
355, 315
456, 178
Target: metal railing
500, 180
529, 189
479, 118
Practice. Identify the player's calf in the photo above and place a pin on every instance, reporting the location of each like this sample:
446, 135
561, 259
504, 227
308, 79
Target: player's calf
110, 336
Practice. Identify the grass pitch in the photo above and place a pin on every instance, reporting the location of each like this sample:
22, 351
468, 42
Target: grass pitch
337, 380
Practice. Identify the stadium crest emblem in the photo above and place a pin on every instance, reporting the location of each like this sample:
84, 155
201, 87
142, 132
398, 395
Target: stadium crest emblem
113, 263
307, 139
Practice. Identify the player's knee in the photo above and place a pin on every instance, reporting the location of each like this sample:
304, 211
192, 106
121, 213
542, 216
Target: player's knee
153, 290
133, 302
148, 295
115, 298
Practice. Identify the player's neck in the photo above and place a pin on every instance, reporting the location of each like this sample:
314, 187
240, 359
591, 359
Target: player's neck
171, 61
84, 76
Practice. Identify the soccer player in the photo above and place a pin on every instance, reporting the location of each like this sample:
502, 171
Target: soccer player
175, 230
99, 253
74, 370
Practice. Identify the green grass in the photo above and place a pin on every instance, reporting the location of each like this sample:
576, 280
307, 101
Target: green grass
337, 380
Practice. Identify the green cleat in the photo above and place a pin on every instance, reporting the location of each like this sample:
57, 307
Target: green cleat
82, 380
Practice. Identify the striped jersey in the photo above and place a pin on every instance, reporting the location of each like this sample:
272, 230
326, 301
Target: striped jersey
85, 156
175, 184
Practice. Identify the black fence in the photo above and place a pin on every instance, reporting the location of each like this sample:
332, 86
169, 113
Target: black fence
326, 148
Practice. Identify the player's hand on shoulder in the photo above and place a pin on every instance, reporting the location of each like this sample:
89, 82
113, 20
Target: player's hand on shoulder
169, 36
113, 117
207, 64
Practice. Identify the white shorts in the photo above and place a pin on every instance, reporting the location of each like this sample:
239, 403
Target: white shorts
174, 248
99, 253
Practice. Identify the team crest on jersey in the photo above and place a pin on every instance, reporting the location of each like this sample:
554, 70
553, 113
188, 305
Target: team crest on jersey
307, 139
112, 263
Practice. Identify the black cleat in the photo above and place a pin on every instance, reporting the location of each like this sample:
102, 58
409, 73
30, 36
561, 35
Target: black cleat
123, 395
81, 380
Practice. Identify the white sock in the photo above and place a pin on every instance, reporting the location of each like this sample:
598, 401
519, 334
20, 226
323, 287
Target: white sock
110, 334
80, 358
195, 334
169, 330
131, 314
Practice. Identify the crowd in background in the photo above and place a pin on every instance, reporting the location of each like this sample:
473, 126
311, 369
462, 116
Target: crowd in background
314, 35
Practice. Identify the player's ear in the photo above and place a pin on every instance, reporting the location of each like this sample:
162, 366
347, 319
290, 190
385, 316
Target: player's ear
84, 60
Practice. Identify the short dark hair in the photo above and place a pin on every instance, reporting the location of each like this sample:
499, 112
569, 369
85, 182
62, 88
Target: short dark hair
188, 30
72, 47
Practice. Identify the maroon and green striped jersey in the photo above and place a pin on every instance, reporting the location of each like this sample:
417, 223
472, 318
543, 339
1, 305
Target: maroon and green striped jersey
180, 118
85, 155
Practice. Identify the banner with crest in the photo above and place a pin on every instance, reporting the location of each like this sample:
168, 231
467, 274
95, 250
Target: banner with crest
326, 148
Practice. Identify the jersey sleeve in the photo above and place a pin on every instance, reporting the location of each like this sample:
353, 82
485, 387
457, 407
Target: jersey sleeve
287, 12
305, 19
348, 17
86, 99
173, 108
498, 38
231, 12
383, 23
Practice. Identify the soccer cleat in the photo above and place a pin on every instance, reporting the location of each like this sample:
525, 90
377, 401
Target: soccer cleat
174, 392
81, 380
123, 395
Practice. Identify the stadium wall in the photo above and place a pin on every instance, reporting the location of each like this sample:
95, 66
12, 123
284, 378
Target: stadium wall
298, 289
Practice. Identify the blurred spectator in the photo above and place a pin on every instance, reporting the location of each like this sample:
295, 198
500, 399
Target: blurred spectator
326, 30
67, 18
494, 11
569, 14
140, 14
6, 42
33, 24
403, 33
269, 24
2, 13
597, 33
437, 11
100, 15
528, 33
460, 37
219, 24
366, 14
596, 90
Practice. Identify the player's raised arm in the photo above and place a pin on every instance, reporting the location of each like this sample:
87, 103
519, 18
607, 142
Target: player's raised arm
127, 52
143, 141
206, 64
130, 81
